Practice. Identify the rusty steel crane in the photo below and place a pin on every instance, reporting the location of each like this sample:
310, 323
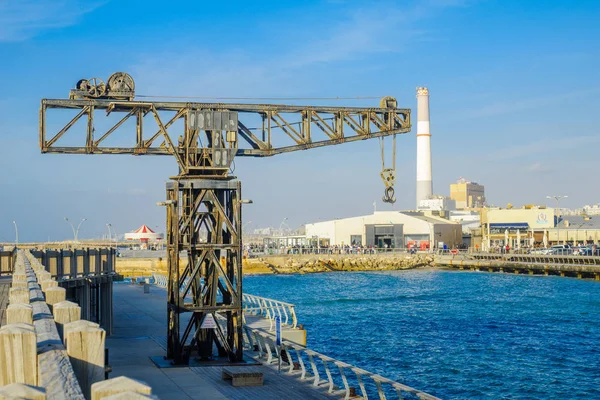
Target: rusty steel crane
204, 201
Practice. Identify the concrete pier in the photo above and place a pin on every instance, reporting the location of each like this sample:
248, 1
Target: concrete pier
582, 267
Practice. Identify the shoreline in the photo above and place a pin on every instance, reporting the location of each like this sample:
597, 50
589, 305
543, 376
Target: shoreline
294, 264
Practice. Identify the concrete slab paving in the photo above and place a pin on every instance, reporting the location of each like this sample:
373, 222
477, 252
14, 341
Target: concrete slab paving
140, 322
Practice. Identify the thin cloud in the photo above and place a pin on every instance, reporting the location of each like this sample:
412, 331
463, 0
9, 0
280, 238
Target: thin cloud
539, 167
545, 146
24, 19
531, 103
356, 33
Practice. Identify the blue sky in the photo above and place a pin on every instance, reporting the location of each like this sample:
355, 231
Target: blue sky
514, 100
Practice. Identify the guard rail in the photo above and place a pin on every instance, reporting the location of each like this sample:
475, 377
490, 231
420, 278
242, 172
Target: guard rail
337, 375
270, 308
262, 306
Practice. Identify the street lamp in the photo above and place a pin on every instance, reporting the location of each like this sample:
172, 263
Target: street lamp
109, 233
75, 232
243, 226
16, 234
557, 198
281, 226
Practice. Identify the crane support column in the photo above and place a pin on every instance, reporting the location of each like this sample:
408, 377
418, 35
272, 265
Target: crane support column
204, 219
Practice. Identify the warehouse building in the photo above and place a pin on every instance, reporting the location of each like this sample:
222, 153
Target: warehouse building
391, 229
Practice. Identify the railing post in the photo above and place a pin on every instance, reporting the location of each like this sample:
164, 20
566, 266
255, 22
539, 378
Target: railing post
19, 313
118, 385
18, 354
85, 347
21, 391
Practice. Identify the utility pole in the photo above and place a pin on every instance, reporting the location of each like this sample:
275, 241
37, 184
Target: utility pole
557, 198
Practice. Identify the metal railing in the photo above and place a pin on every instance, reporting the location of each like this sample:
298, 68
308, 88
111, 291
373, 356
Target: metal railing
336, 250
527, 258
269, 308
261, 306
160, 280
337, 377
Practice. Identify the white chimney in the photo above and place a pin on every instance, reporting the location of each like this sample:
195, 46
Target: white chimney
424, 180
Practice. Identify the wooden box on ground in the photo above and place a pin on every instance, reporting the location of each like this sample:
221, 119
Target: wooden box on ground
243, 376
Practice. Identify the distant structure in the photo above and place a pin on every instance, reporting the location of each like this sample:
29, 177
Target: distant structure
144, 235
467, 194
437, 203
424, 179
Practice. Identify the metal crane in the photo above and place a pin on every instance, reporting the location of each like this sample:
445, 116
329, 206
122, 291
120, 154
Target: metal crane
204, 201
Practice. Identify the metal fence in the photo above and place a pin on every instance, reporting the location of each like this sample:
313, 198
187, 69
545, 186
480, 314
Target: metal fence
77, 263
269, 308
256, 305
337, 377
328, 251
309, 364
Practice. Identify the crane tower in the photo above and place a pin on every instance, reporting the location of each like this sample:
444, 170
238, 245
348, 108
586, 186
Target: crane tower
203, 201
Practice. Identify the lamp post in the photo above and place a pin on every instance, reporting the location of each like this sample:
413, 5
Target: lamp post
16, 234
246, 224
109, 233
557, 198
75, 232
281, 226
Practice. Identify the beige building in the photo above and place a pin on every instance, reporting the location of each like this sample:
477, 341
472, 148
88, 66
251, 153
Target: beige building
390, 229
467, 194
517, 227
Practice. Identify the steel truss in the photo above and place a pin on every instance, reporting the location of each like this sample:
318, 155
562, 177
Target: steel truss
270, 129
204, 219
203, 201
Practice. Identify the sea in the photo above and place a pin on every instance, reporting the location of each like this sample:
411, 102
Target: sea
453, 334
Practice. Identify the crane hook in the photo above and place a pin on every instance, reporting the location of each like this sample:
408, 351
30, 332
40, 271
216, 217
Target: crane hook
388, 175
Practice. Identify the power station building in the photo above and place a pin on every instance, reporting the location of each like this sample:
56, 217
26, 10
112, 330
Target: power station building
467, 194
390, 229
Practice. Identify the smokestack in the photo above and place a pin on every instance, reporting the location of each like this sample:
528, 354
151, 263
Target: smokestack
424, 180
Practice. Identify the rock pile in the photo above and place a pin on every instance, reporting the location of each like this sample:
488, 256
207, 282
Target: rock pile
326, 263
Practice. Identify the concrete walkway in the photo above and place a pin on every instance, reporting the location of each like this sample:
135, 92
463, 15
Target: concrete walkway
140, 322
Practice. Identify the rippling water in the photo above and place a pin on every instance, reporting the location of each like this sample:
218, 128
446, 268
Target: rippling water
454, 334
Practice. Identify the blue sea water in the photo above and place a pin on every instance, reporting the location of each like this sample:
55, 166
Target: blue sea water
457, 335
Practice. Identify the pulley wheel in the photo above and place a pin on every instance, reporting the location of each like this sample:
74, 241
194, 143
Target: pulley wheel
82, 84
96, 87
121, 82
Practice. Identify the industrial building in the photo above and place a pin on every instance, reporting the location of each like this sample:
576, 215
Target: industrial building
467, 194
390, 229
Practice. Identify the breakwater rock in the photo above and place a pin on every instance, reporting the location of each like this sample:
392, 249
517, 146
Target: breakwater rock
304, 264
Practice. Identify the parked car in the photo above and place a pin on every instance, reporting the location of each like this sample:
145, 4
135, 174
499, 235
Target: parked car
539, 250
561, 249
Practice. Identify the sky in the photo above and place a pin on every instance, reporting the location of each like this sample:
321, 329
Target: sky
514, 97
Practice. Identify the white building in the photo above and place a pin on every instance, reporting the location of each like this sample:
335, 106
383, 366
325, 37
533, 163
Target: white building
439, 203
389, 228
469, 220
